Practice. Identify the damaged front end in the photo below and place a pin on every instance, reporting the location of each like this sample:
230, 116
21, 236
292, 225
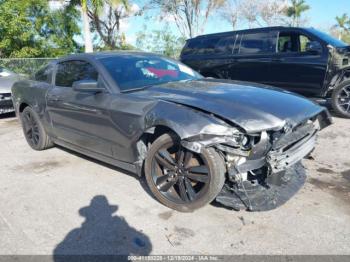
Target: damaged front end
263, 169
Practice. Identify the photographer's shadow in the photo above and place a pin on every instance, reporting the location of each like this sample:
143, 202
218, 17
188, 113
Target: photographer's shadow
103, 233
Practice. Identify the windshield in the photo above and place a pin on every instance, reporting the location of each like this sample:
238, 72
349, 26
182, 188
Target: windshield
327, 38
137, 71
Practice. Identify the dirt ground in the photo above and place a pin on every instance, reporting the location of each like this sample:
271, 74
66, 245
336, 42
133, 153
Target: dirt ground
58, 202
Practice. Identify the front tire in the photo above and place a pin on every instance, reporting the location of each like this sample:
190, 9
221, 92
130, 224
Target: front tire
181, 179
341, 99
34, 131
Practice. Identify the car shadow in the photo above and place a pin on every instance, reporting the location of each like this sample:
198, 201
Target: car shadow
141, 179
102, 234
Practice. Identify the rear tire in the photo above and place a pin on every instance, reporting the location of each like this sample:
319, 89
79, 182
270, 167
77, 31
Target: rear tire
181, 179
34, 131
341, 99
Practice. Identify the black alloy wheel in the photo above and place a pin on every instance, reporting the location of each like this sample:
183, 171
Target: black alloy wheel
181, 179
344, 98
33, 130
341, 99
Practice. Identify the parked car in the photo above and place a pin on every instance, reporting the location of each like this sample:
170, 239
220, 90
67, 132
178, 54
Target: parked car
7, 78
302, 60
195, 139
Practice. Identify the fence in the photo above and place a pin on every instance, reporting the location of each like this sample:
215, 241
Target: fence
25, 66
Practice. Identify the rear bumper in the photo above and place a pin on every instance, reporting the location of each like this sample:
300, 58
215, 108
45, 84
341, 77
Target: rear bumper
6, 105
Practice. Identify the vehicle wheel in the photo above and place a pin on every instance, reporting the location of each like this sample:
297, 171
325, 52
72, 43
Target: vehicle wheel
34, 131
181, 179
341, 99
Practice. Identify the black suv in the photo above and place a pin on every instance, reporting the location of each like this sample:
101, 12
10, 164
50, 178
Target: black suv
302, 60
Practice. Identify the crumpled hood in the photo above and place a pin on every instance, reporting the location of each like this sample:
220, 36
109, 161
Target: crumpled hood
251, 106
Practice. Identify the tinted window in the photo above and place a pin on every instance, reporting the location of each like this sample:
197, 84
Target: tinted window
209, 45
293, 42
225, 45
44, 74
132, 72
257, 43
286, 43
191, 47
70, 71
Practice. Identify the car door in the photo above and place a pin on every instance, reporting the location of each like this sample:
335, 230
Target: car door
80, 118
252, 57
294, 68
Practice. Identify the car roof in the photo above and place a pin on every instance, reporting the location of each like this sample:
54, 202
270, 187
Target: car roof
105, 54
261, 29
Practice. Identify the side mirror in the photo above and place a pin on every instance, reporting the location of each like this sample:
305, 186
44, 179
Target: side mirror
88, 86
313, 47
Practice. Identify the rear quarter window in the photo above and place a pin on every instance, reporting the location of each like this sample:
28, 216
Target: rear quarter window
209, 45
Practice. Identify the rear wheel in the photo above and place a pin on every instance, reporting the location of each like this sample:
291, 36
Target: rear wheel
341, 99
181, 179
34, 131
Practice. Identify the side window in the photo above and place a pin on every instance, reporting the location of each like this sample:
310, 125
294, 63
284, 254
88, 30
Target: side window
225, 45
70, 71
303, 40
44, 74
287, 42
191, 47
257, 43
207, 45
292, 42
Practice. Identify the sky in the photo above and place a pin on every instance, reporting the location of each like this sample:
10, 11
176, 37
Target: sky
321, 15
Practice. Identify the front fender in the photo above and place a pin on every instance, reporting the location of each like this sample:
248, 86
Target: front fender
185, 121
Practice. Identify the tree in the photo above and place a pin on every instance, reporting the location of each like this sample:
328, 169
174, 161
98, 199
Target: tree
272, 12
28, 28
106, 17
160, 41
86, 26
255, 12
83, 4
230, 12
58, 29
342, 22
295, 11
190, 16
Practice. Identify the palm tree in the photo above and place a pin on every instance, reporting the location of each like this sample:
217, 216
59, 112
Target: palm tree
342, 23
295, 11
86, 25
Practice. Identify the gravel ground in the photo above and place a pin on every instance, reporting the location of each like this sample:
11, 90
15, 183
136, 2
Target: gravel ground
58, 202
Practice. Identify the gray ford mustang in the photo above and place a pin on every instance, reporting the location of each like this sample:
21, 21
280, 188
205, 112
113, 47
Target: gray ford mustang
195, 139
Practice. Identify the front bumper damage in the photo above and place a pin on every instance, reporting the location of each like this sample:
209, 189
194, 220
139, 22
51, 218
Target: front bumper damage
269, 173
6, 105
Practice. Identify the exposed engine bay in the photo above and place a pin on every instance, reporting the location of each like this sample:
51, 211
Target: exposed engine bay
264, 169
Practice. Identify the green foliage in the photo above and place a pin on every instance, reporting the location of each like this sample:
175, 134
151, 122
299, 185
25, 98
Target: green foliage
342, 28
160, 41
295, 11
24, 66
28, 28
